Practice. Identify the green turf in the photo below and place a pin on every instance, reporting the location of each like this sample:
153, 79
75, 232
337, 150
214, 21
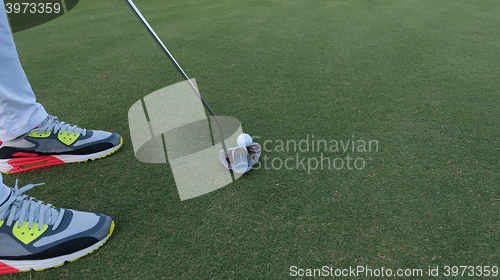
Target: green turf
420, 77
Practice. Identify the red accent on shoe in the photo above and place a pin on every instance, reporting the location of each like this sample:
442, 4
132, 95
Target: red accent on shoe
27, 162
21, 154
0, 142
5, 269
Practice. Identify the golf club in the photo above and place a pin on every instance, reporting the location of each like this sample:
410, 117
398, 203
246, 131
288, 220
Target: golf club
146, 25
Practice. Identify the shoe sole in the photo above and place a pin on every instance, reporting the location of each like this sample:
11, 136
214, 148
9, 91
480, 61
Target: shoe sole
9, 266
34, 161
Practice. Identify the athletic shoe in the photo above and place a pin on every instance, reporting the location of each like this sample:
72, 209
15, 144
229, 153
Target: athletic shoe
37, 236
54, 142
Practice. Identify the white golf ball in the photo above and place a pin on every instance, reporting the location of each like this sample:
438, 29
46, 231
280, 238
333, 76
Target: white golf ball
244, 140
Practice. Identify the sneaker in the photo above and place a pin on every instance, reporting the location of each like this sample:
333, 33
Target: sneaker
37, 236
54, 142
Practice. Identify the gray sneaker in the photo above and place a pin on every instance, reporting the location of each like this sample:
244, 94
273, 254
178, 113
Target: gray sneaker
54, 142
37, 236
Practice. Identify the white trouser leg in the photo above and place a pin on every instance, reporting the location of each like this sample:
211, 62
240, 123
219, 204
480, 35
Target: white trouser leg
19, 111
4, 191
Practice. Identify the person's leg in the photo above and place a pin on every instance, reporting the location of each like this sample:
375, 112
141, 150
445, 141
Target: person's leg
4, 193
30, 138
19, 111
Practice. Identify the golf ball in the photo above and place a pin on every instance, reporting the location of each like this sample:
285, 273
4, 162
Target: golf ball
244, 140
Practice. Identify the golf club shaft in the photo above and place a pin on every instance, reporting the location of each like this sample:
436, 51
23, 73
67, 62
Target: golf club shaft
146, 25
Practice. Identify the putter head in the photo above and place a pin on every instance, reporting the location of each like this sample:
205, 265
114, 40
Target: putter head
243, 158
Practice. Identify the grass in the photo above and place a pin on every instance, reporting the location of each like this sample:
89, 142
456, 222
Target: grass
421, 77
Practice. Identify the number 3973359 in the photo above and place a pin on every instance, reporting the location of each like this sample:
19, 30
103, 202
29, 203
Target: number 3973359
33, 8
